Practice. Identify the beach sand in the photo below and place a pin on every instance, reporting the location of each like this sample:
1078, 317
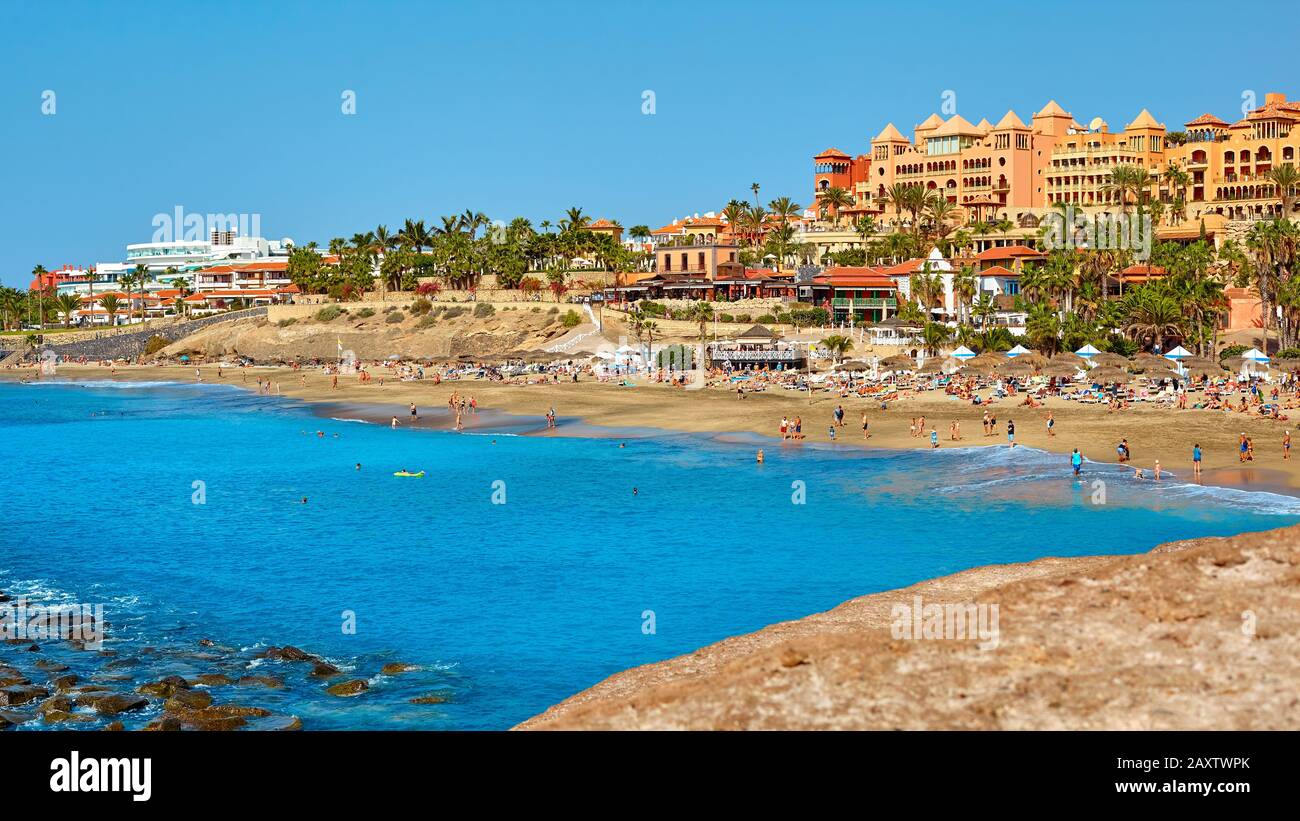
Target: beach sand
1153, 433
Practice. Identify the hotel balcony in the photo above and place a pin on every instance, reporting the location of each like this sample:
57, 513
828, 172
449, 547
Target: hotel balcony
874, 302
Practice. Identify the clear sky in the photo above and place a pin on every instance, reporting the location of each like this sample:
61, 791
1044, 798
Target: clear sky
527, 108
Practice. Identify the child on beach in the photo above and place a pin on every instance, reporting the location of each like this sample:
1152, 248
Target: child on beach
1076, 461
1196, 460
1011, 433
1051, 423
934, 438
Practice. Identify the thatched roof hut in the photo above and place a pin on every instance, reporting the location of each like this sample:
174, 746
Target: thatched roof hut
1108, 375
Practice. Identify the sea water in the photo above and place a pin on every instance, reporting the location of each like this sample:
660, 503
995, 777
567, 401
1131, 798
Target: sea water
520, 569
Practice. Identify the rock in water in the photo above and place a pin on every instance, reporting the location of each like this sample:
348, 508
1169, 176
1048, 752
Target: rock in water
353, 687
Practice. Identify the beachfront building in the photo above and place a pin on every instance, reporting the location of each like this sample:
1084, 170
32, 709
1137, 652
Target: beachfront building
187, 256
754, 348
1016, 171
852, 295
258, 276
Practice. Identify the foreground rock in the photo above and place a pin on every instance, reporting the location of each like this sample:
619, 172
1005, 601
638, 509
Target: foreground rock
355, 687
1202, 634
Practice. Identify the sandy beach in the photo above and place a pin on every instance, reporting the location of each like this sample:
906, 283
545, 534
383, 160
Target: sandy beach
1153, 433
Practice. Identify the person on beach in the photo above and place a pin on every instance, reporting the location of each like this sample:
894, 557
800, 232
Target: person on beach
831, 430
1286, 446
798, 427
1051, 423
1196, 461
911, 431
334, 382
920, 430
760, 456
986, 423
785, 428
1011, 433
1076, 461
865, 424
1241, 448
394, 425
1157, 470
1122, 450
839, 415
934, 438
414, 414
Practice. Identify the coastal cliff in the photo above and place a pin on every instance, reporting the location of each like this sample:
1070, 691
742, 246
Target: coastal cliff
1200, 634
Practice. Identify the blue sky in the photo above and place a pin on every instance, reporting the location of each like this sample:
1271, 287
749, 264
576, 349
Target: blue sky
529, 108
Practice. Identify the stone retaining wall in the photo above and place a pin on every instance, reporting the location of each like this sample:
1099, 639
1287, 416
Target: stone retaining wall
131, 345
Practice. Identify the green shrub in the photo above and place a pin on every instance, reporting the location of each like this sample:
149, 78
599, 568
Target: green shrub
571, 319
483, 310
553, 312
1232, 350
284, 323
329, 313
744, 317
395, 317
426, 322
766, 319
537, 310
366, 313
452, 312
807, 317
1289, 353
155, 344
653, 308
420, 306
726, 318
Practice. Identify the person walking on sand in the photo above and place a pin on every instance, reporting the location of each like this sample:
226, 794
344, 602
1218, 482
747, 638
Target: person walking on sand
1051, 423
1157, 470
1076, 461
1196, 461
785, 428
865, 424
1286, 446
414, 415
1241, 447
1011, 433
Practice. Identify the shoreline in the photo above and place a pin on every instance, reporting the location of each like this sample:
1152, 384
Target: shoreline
606, 411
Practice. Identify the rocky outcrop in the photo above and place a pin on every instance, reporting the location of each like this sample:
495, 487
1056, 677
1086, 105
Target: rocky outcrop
1203, 634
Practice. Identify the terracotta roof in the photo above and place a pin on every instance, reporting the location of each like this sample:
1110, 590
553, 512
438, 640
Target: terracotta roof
602, 223
831, 152
998, 271
930, 123
889, 134
1007, 252
1009, 120
1052, 110
957, 125
1143, 271
1207, 119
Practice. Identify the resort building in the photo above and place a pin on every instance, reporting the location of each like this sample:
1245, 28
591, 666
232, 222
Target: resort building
756, 347
853, 295
1013, 170
188, 255
257, 276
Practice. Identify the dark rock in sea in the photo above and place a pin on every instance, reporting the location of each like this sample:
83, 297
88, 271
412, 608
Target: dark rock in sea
288, 653
206, 642
164, 724
217, 717
17, 694
211, 680
274, 724
122, 663
165, 688
324, 670
63, 717
48, 666
113, 727
3, 597
91, 688
111, 677
10, 681
14, 717
64, 682
114, 703
58, 702
393, 668
272, 682
354, 687
188, 700
432, 698
108, 654
35, 648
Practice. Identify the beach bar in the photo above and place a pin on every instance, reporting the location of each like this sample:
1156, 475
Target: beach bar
757, 347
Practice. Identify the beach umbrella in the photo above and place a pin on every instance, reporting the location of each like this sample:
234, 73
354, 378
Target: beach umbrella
1112, 359
1105, 375
989, 358
1033, 358
898, 362
972, 370
1255, 355
1017, 351
1055, 367
1087, 351
1016, 367
1200, 361
1197, 371
853, 365
963, 353
1178, 353
1070, 359
933, 365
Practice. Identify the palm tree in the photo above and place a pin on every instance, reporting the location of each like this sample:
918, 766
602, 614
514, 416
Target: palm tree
67, 303
753, 186
701, 313
141, 281
964, 287
39, 273
111, 305
838, 346
934, 335
836, 199
941, 212
784, 209
1287, 180
1153, 316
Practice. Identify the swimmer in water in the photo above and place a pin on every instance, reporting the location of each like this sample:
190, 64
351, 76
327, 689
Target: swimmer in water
358, 466
760, 456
